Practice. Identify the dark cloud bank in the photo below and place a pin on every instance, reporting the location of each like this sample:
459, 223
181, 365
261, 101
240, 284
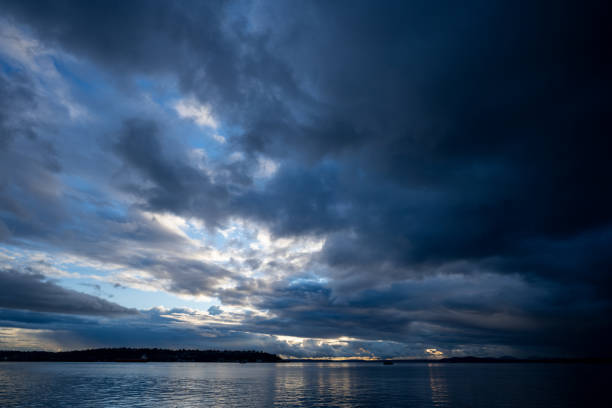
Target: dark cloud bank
30, 291
456, 157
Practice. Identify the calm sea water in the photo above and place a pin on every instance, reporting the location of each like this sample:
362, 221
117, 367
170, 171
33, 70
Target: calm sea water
303, 385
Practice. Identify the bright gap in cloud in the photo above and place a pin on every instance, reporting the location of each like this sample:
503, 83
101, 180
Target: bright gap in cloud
192, 109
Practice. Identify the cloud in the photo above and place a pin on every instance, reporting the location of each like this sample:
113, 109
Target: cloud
175, 186
200, 114
159, 327
439, 174
219, 138
214, 310
433, 352
30, 291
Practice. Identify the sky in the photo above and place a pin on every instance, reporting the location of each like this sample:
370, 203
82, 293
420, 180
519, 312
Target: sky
398, 179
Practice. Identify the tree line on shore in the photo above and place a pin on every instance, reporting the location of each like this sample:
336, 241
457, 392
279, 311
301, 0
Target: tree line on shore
141, 355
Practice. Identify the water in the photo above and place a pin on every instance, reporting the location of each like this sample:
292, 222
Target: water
302, 385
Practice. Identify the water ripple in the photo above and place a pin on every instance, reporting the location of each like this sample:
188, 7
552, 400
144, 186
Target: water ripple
300, 385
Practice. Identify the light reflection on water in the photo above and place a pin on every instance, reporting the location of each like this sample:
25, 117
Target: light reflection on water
301, 384
437, 383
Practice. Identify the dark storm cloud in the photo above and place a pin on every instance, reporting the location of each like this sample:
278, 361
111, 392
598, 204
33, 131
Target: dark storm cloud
28, 162
191, 277
421, 139
31, 291
15, 95
206, 44
450, 311
486, 128
485, 141
35, 204
177, 186
162, 328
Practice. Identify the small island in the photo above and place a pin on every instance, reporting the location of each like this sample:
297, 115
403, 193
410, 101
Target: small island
137, 355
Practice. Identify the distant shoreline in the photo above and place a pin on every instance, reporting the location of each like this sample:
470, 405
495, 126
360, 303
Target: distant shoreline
144, 355
141, 355
465, 360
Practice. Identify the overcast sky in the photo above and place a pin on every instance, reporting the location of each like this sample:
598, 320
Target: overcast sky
312, 178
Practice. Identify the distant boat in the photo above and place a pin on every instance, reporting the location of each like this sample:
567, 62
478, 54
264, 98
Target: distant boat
387, 362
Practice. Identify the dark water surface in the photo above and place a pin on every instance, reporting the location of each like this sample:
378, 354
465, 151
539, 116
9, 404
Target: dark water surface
303, 385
